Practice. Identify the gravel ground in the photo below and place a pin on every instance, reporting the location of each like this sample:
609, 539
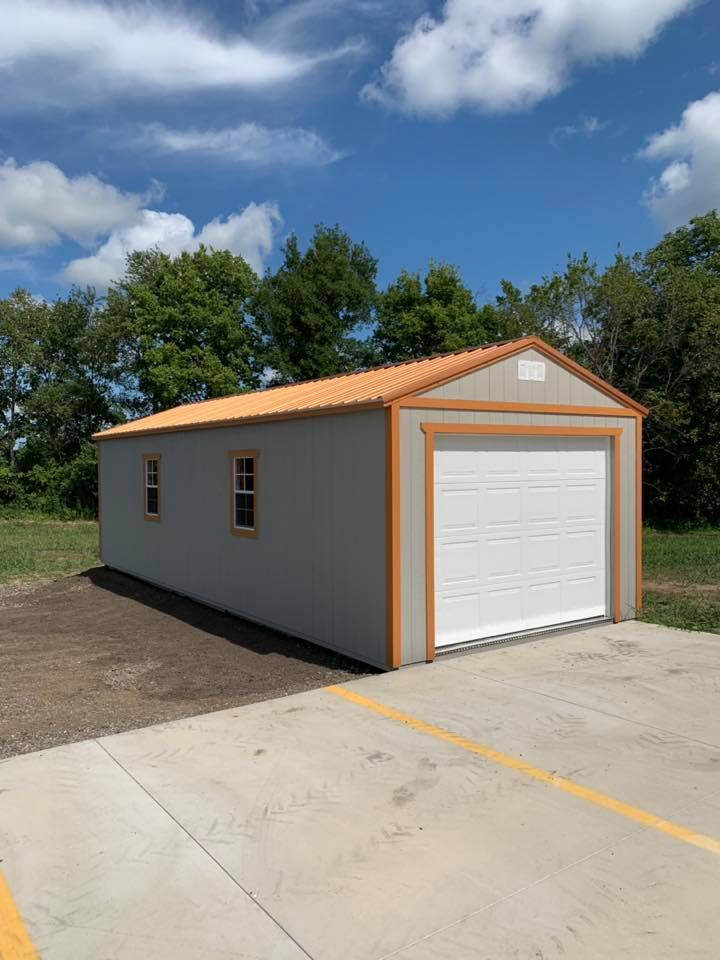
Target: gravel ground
102, 652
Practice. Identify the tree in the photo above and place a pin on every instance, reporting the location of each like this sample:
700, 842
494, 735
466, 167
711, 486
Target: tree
650, 325
21, 320
419, 317
315, 310
73, 380
185, 327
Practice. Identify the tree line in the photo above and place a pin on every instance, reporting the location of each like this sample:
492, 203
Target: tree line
203, 325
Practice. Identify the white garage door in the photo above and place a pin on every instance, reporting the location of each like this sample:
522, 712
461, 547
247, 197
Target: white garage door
520, 533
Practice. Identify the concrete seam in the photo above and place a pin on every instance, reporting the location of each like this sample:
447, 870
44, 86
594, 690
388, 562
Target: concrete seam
205, 850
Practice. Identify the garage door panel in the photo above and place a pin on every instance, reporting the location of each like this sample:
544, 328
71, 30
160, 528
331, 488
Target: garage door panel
581, 596
584, 549
543, 554
501, 507
538, 518
501, 606
584, 502
454, 613
542, 504
586, 459
457, 564
542, 600
458, 509
461, 462
544, 463
500, 464
501, 558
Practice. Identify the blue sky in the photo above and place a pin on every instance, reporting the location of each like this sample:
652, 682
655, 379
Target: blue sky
498, 135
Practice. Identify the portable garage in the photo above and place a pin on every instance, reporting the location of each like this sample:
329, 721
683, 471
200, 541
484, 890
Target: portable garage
395, 513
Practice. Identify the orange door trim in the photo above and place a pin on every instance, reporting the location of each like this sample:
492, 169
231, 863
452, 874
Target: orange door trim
432, 429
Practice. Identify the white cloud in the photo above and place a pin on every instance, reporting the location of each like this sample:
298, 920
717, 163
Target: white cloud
249, 234
585, 127
84, 49
690, 183
39, 205
249, 143
500, 55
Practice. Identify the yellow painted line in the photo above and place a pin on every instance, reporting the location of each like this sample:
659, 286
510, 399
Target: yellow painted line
667, 827
15, 942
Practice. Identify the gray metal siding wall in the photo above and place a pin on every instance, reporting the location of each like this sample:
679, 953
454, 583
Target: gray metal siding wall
412, 485
317, 567
499, 381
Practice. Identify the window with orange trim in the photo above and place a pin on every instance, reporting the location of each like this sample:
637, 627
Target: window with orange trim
151, 477
244, 492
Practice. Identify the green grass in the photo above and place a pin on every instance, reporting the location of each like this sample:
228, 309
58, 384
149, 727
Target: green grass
682, 579
38, 548
682, 569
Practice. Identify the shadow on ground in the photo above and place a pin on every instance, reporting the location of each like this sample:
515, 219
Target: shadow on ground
102, 652
227, 626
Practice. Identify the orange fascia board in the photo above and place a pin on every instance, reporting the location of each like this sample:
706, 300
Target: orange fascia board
518, 346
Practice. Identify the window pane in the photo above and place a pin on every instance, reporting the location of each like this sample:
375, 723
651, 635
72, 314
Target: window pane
244, 510
152, 500
243, 491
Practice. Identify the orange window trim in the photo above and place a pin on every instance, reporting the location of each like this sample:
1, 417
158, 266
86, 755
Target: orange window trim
392, 533
146, 515
233, 456
431, 429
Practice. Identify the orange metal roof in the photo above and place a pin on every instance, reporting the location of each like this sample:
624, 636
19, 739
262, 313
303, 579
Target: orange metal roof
374, 387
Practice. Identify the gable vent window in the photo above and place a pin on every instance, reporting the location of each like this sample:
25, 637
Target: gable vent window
531, 370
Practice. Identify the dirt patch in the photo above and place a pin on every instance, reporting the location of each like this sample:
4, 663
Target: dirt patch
101, 652
672, 586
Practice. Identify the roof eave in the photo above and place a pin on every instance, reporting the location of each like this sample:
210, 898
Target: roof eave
352, 407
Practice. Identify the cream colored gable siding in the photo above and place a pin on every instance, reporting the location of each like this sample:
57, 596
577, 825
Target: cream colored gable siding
499, 382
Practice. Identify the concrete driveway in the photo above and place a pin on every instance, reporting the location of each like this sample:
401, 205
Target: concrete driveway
559, 798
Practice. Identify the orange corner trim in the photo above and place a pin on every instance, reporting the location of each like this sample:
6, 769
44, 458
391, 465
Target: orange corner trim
392, 520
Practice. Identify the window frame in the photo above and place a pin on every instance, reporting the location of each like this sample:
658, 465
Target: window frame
147, 457
234, 456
